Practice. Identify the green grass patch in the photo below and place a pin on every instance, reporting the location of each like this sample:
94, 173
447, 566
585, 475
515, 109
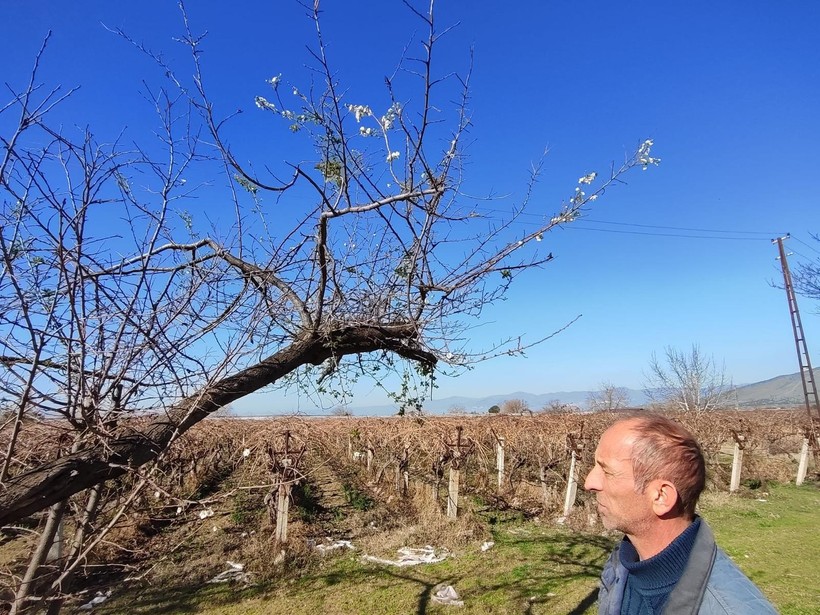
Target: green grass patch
772, 535
532, 569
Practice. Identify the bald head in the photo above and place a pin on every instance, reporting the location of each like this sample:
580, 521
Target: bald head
663, 449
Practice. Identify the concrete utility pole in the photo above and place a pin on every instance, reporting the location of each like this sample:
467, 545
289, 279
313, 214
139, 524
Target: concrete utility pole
806, 372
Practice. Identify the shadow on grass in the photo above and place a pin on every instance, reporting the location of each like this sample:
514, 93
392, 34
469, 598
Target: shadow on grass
180, 599
545, 569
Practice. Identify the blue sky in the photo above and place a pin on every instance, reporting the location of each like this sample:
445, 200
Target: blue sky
729, 92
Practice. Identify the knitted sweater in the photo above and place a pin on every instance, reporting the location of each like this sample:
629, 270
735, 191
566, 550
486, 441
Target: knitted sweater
650, 581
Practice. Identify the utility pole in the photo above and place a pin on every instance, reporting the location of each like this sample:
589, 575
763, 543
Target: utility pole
806, 372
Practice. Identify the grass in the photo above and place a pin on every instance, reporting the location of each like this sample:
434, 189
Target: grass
533, 568
773, 536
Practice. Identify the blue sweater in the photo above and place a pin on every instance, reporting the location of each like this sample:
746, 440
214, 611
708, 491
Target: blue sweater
650, 581
711, 584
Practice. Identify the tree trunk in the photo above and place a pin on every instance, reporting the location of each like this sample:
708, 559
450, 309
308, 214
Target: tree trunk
55, 517
54, 482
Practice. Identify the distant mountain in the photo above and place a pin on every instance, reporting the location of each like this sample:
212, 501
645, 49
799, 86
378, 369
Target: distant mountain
784, 390
480, 405
780, 391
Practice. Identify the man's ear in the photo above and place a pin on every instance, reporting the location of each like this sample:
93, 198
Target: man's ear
664, 497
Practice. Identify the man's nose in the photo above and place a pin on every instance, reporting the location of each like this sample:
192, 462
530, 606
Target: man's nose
592, 483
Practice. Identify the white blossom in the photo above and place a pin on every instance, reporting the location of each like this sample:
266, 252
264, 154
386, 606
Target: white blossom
392, 156
588, 179
390, 116
262, 103
366, 132
274, 81
359, 111
643, 154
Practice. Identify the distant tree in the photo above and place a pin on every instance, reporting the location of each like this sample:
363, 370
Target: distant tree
806, 276
687, 381
515, 406
556, 405
456, 409
341, 411
607, 398
494, 410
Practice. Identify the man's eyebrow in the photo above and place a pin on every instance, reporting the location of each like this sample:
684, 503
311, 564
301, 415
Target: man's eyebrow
603, 464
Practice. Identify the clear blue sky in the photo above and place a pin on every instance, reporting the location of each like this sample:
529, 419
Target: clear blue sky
729, 91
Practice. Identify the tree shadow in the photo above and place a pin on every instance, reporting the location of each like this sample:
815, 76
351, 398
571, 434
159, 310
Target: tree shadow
562, 561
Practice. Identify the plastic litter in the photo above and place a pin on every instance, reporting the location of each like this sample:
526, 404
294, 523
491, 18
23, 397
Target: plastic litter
332, 545
235, 573
446, 594
98, 599
204, 514
411, 557
487, 545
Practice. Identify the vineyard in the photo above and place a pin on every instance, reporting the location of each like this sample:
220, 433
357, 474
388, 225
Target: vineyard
271, 488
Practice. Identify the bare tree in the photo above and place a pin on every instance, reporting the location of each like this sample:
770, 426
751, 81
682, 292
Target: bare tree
806, 276
608, 397
515, 406
687, 381
118, 298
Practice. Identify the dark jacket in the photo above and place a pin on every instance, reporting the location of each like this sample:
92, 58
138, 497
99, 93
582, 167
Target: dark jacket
711, 585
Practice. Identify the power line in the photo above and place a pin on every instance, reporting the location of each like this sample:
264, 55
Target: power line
766, 235
676, 228
606, 230
810, 247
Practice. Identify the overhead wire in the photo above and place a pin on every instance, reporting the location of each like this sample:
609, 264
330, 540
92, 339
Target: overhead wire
578, 226
809, 246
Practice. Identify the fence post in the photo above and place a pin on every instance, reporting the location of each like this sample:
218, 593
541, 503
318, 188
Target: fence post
452, 493
369, 457
737, 462
282, 503
572, 485
499, 460
284, 464
457, 452
803, 466
575, 445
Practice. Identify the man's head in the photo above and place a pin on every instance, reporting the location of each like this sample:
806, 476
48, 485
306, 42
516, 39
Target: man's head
646, 468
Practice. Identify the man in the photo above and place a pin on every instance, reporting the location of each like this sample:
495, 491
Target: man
649, 472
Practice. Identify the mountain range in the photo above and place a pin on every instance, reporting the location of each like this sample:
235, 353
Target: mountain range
786, 390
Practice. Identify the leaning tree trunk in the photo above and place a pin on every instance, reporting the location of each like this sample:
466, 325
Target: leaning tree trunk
54, 482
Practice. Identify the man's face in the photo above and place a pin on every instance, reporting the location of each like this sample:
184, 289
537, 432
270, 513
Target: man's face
613, 482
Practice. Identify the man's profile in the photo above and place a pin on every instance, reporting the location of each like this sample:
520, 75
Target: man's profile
648, 475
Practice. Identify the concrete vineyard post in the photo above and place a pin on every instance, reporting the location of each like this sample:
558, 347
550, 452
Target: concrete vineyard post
499, 460
803, 465
572, 485
457, 452
452, 493
575, 444
282, 502
737, 463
